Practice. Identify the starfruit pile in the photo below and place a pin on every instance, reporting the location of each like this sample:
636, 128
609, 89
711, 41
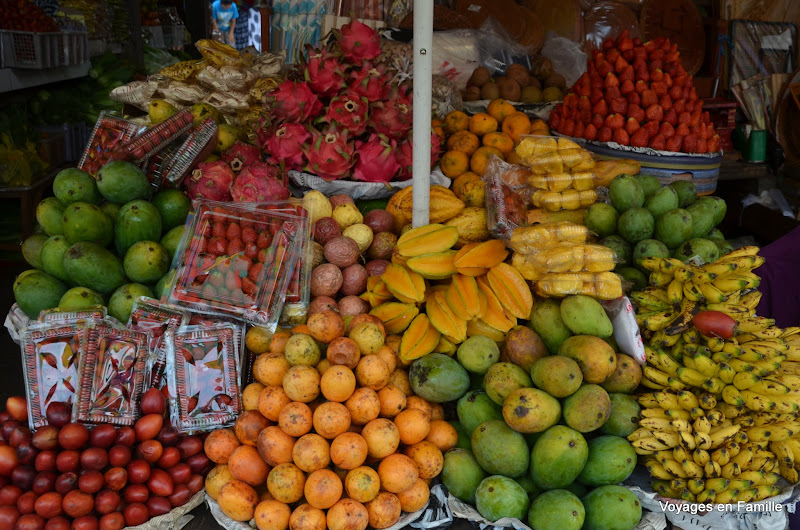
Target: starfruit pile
436, 296
557, 257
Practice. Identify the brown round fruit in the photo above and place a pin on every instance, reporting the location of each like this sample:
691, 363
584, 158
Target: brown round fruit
354, 281
325, 229
91, 482
136, 514
169, 457
119, 456
107, 501
147, 427
116, 478
341, 251
58, 414
45, 438
150, 451
138, 471
158, 506
326, 279
125, 436
160, 483
73, 436
102, 436
77, 504
112, 521
94, 459
153, 402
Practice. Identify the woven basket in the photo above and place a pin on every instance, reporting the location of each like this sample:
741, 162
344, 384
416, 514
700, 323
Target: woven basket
680, 20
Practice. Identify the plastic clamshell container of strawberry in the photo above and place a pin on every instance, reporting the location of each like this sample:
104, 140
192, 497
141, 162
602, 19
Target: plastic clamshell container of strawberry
155, 318
199, 143
50, 355
56, 315
203, 378
239, 261
154, 139
110, 132
110, 376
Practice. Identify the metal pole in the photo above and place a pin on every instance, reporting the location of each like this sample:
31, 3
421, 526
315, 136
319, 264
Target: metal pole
423, 62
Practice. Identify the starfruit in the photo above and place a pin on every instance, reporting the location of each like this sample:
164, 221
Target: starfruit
376, 293
477, 326
477, 256
427, 239
446, 347
397, 259
420, 339
464, 298
434, 266
495, 315
511, 289
395, 316
444, 320
407, 286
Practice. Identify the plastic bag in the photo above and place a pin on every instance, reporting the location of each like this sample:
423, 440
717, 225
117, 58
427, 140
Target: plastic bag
608, 19
602, 285
567, 57
563, 200
498, 49
456, 54
626, 331
571, 257
505, 208
545, 235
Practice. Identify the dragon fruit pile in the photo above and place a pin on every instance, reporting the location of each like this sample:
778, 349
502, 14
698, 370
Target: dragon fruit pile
341, 117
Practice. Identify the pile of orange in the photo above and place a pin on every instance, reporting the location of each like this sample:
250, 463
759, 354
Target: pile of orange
331, 436
471, 141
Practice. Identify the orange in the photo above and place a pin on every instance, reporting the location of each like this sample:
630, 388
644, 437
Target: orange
442, 435
500, 108
539, 127
272, 515
362, 484
323, 489
516, 125
456, 121
413, 424
501, 141
454, 163
464, 141
481, 159
437, 127
513, 158
481, 123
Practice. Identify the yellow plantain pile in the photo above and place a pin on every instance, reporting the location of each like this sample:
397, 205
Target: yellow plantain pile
557, 257
722, 423
466, 292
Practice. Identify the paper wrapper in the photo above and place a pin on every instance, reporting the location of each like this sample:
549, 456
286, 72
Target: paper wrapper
435, 515
174, 520
302, 182
730, 518
462, 510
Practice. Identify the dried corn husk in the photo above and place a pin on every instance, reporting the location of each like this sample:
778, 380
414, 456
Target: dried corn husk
136, 93
183, 92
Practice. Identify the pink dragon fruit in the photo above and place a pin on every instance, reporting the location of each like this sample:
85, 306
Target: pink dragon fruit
211, 180
285, 144
323, 72
392, 117
376, 159
370, 81
358, 42
241, 155
294, 101
329, 154
259, 182
349, 111
405, 157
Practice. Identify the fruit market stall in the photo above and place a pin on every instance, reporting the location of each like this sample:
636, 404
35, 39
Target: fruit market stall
232, 303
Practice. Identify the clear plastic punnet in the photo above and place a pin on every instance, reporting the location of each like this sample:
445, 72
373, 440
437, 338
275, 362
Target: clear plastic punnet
50, 355
155, 318
203, 376
110, 376
239, 262
109, 134
56, 315
158, 137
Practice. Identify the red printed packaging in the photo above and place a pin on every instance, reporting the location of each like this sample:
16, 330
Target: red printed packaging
155, 318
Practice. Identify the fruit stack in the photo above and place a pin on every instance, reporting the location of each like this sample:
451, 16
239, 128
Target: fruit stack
637, 94
518, 83
721, 423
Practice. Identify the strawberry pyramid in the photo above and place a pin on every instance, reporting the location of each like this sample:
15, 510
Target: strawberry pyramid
637, 94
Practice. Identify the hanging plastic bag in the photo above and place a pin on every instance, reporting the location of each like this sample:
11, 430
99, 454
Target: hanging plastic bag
566, 56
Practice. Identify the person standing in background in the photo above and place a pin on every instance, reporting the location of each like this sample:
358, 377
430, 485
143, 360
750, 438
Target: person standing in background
223, 15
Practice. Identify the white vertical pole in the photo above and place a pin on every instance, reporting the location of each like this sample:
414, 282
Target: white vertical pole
423, 61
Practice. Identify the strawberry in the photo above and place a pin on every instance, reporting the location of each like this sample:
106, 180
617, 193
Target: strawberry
641, 86
620, 64
621, 137
555, 120
219, 230
650, 46
693, 95
713, 144
690, 143
702, 145
627, 87
666, 129
639, 63
654, 113
674, 143
615, 121
579, 129
234, 231
611, 80
590, 133
706, 117
598, 121
655, 64
584, 103
612, 56
651, 127
570, 101
671, 117
234, 247
604, 68
608, 44
627, 74
232, 280
665, 101
216, 246
601, 108
649, 98
658, 142
568, 128
612, 92
628, 55
690, 105
624, 42
640, 138
637, 42
679, 105
251, 250
684, 117
604, 134
679, 80
596, 95
695, 117
672, 56
659, 87
264, 239
656, 55
585, 90
596, 53
631, 126
633, 98
702, 131
643, 74
682, 129
656, 74
618, 106
636, 112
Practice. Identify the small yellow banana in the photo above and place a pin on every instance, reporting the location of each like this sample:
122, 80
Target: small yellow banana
712, 470
721, 436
